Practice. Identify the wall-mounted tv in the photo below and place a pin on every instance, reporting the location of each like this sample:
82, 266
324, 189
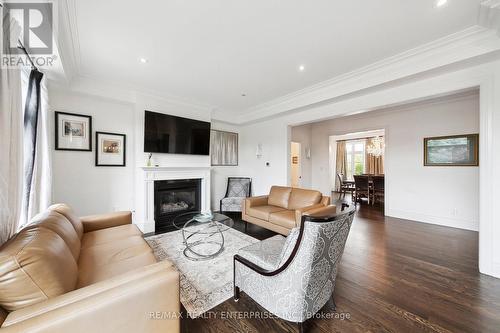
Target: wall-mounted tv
164, 133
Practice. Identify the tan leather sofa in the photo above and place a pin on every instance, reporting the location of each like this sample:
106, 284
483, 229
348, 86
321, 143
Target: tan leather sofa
62, 273
282, 209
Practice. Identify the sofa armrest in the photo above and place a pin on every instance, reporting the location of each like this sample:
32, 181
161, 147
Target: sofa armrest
253, 202
326, 210
103, 221
301, 211
145, 300
256, 201
325, 200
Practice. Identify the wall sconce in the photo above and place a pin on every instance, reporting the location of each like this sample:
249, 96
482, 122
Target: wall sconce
258, 151
308, 153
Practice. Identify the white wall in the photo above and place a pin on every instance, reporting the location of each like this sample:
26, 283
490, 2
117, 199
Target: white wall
440, 195
274, 136
76, 179
219, 174
302, 134
156, 104
90, 189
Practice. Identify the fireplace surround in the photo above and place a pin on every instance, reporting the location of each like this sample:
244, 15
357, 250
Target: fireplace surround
148, 176
174, 197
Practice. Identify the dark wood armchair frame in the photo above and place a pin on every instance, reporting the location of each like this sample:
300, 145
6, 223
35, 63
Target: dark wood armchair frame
306, 218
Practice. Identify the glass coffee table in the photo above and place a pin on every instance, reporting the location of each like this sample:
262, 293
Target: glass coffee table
203, 235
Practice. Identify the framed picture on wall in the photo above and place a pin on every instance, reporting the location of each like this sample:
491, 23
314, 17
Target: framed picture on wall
73, 131
223, 148
454, 150
110, 149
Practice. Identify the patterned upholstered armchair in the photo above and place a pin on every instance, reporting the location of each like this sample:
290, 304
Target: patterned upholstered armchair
238, 188
294, 277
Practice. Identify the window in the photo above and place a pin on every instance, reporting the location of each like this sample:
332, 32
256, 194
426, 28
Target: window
355, 151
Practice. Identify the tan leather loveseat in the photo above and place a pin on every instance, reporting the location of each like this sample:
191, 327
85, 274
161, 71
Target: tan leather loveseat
62, 273
282, 209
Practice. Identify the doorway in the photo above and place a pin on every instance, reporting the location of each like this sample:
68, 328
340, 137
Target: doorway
295, 165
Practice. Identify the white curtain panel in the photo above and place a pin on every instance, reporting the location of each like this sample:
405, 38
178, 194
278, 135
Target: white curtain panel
224, 148
41, 186
11, 146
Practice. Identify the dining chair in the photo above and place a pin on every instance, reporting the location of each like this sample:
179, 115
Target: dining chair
378, 189
361, 188
344, 186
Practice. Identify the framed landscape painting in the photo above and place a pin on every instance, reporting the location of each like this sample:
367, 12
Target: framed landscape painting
110, 149
73, 131
455, 150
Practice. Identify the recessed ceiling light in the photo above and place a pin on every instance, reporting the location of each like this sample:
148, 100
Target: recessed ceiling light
441, 3
143, 60
302, 68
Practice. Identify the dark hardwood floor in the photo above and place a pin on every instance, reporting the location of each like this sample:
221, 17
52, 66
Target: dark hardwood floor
395, 276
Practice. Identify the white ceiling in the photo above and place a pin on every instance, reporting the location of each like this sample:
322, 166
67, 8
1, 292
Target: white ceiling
214, 51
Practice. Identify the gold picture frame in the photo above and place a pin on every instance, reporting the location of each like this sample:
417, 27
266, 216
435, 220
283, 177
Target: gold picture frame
452, 150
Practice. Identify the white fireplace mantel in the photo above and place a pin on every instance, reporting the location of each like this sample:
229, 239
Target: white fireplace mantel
152, 174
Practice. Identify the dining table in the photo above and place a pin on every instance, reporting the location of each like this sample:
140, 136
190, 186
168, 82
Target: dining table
370, 182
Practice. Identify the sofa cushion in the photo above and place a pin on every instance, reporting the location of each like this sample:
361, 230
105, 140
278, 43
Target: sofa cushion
108, 253
60, 225
105, 260
262, 212
108, 235
300, 198
266, 253
92, 274
35, 265
279, 196
66, 210
284, 218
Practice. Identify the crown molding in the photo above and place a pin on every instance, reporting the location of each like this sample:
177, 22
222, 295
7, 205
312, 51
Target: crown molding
463, 45
120, 93
415, 104
456, 48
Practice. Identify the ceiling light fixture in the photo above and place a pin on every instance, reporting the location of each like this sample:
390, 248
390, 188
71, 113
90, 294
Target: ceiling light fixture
441, 3
302, 68
143, 60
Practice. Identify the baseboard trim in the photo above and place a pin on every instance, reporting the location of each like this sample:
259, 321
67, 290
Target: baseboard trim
431, 219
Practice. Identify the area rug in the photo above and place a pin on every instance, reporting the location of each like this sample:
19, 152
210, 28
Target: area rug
204, 284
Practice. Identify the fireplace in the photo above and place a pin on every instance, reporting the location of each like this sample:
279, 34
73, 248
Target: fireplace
174, 197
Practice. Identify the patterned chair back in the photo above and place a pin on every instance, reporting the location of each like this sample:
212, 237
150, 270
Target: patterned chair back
310, 260
238, 187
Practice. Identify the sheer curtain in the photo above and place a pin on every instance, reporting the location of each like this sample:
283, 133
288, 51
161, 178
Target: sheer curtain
37, 180
341, 162
11, 145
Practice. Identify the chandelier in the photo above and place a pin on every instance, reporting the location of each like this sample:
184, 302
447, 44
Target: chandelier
376, 146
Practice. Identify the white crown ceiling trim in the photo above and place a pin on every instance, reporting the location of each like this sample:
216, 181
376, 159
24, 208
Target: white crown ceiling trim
463, 45
466, 44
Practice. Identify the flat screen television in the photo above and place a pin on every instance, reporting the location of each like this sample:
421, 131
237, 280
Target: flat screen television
164, 133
